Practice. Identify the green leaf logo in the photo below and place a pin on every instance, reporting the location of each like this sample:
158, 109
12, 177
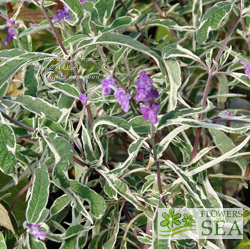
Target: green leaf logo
188, 220
170, 219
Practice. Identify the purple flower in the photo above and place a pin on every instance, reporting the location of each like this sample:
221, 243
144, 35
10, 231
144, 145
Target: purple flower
247, 71
83, 98
150, 111
84, 1
123, 98
33, 227
33, 25
39, 235
144, 91
144, 108
228, 114
35, 230
144, 81
141, 94
9, 37
11, 22
11, 33
62, 14
106, 85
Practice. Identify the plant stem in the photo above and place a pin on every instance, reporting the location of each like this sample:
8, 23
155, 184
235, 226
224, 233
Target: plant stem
245, 31
155, 159
80, 162
18, 40
71, 61
136, 26
26, 127
157, 7
161, 15
62, 46
208, 84
240, 186
86, 175
130, 225
20, 194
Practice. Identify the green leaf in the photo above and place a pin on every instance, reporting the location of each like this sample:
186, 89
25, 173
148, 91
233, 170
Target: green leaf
97, 203
197, 12
133, 151
245, 243
119, 55
233, 201
10, 67
40, 107
75, 230
124, 21
3, 89
59, 204
10, 53
119, 123
220, 158
2, 241
7, 149
223, 89
39, 194
44, 122
196, 123
66, 43
150, 179
140, 125
105, 9
175, 50
112, 240
110, 192
213, 197
162, 146
44, 25
65, 88
241, 78
174, 75
65, 101
75, 199
34, 243
92, 11
122, 40
169, 24
122, 11
19, 209
225, 144
121, 188
87, 145
63, 153
182, 113
225, 56
30, 81
71, 243
8, 1
120, 22
77, 11
58, 145
194, 190
212, 19
26, 41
